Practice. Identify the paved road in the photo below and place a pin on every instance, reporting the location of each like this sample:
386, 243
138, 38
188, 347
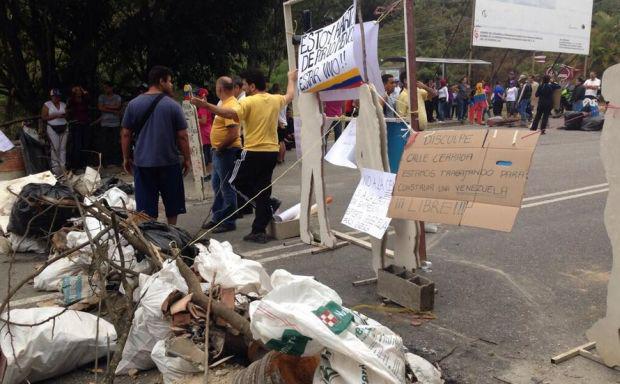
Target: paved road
506, 302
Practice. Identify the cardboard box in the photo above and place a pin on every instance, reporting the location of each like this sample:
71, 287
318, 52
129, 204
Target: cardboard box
464, 177
406, 288
283, 230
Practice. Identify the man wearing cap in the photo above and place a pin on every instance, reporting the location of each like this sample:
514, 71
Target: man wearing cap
53, 113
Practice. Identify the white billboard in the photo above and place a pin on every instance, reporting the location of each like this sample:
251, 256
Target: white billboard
534, 25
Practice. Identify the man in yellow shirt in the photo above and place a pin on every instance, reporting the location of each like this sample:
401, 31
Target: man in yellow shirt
402, 103
225, 149
251, 177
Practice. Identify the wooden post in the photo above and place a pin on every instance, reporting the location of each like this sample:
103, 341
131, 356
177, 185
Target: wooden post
413, 100
471, 39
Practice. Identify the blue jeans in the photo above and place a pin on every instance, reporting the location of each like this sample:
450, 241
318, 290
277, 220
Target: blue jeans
443, 110
523, 104
225, 197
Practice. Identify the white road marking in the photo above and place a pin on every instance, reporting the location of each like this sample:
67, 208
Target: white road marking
566, 192
570, 197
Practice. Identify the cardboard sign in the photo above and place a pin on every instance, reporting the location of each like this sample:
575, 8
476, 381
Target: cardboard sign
470, 177
367, 211
326, 59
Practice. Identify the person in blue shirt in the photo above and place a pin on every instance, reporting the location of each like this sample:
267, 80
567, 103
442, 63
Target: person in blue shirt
159, 140
499, 94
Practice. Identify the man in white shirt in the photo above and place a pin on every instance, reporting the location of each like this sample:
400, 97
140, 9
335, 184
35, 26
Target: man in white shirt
592, 85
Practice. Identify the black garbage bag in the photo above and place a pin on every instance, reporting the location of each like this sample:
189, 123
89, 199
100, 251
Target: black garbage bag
573, 120
593, 123
162, 235
44, 217
112, 182
34, 151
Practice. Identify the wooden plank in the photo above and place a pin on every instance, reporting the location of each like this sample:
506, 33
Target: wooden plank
359, 242
195, 147
571, 353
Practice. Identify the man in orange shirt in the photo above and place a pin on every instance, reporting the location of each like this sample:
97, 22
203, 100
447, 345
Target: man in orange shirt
225, 149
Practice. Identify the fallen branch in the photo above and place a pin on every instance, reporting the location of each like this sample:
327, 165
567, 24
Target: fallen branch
230, 316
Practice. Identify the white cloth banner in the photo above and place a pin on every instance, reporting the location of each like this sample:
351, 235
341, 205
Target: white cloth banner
367, 211
297, 130
371, 32
326, 60
342, 153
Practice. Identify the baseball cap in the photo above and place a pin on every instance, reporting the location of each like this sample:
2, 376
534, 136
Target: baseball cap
202, 92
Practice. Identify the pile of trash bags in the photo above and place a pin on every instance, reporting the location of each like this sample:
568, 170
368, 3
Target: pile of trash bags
298, 330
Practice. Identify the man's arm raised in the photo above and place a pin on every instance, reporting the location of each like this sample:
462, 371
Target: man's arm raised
226, 113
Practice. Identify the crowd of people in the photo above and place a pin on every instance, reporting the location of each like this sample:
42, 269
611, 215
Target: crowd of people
526, 99
244, 136
245, 131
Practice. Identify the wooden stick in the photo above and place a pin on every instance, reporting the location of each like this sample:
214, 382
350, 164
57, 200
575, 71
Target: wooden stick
206, 377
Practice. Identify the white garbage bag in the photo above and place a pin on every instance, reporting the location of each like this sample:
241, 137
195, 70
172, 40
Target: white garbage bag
27, 244
54, 347
424, 371
149, 325
50, 278
301, 316
173, 369
231, 271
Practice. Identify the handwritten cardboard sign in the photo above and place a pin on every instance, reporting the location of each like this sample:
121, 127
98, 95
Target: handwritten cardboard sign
326, 56
367, 211
470, 177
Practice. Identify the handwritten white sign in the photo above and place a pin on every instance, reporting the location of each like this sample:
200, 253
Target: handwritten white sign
342, 153
367, 211
326, 58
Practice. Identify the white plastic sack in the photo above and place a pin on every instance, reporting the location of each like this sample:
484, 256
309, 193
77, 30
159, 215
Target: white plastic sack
42, 352
51, 277
149, 325
116, 198
301, 316
424, 371
173, 369
27, 244
231, 271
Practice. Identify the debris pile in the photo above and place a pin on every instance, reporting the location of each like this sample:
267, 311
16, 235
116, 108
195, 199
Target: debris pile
144, 295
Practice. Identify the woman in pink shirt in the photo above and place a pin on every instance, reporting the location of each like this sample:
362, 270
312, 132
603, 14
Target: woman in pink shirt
205, 120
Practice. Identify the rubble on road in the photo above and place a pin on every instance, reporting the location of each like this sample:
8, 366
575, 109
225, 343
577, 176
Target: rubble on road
167, 299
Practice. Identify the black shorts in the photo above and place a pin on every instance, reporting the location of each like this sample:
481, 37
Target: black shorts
153, 181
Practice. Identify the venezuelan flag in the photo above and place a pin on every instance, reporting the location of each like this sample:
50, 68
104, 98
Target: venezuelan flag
349, 79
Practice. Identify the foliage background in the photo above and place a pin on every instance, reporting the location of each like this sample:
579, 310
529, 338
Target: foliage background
60, 43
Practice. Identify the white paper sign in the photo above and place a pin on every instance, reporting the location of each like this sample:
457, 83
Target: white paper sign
326, 58
342, 153
371, 31
367, 211
5, 144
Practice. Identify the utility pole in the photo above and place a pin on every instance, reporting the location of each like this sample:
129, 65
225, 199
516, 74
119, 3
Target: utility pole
471, 38
413, 101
